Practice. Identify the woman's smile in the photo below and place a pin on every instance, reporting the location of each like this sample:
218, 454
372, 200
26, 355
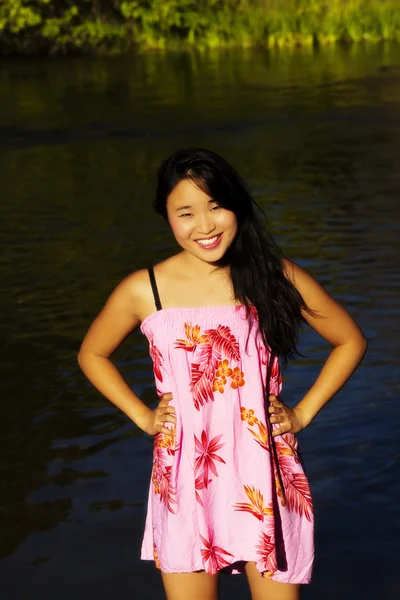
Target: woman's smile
210, 243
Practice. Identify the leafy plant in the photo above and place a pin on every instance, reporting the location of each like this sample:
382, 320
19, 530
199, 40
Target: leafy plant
54, 26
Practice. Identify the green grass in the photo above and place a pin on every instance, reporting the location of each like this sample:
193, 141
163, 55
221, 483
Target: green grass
54, 26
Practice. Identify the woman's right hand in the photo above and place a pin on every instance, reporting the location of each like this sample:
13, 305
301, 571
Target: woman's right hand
153, 421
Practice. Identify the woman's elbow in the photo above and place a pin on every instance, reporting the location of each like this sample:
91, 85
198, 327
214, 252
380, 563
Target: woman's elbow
364, 345
361, 345
82, 357
79, 358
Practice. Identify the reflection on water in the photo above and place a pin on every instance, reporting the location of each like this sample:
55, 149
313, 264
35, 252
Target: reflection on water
317, 136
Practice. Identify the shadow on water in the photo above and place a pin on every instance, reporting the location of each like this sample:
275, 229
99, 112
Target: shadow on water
316, 135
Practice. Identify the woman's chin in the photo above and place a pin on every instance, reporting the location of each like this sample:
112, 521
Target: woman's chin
209, 256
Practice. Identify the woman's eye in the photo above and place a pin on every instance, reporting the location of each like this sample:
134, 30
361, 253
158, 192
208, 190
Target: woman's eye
186, 215
216, 207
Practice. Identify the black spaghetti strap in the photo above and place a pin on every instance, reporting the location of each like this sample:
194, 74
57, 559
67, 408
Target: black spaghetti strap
156, 295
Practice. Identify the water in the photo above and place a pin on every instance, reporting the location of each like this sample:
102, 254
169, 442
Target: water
317, 136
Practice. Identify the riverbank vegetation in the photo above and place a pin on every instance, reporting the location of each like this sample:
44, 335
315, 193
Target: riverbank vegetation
70, 26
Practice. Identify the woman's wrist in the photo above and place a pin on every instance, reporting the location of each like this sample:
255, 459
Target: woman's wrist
138, 413
306, 415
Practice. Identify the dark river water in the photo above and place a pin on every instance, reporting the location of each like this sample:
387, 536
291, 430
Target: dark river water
317, 135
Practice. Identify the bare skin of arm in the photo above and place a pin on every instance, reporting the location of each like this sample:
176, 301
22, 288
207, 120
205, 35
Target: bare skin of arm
121, 315
335, 325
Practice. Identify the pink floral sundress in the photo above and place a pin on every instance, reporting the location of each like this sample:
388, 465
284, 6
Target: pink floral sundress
222, 490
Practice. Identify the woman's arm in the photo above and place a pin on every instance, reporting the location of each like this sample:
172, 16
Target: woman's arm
335, 325
118, 318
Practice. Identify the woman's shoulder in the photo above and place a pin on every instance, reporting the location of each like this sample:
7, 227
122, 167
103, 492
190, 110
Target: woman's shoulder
135, 283
298, 276
138, 282
134, 291
136, 287
288, 268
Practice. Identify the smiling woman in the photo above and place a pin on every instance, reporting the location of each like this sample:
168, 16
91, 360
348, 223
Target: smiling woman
228, 491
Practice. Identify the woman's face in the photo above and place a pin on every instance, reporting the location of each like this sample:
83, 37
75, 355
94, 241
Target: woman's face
200, 225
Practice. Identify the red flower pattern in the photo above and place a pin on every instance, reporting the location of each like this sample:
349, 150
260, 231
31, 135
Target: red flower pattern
199, 485
267, 553
193, 338
155, 556
214, 555
295, 493
262, 436
275, 382
156, 357
161, 473
256, 505
207, 456
212, 352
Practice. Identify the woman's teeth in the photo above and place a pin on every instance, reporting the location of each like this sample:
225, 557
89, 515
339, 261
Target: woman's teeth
208, 242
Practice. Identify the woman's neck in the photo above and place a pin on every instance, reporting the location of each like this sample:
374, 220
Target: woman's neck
200, 268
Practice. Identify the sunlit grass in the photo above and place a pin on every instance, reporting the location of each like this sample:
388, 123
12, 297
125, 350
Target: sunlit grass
201, 23
277, 23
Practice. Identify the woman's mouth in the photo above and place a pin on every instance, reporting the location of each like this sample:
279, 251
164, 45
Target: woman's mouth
210, 243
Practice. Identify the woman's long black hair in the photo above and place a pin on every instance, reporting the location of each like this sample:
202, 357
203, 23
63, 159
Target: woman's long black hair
254, 259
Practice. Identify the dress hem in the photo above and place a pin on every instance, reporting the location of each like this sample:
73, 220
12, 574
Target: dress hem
277, 578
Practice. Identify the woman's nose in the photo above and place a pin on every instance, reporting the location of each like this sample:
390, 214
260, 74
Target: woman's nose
205, 224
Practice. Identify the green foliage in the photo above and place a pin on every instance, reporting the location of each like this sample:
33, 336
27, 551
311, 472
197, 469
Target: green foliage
54, 26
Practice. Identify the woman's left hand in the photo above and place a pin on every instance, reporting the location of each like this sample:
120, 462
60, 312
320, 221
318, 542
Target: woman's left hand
290, 419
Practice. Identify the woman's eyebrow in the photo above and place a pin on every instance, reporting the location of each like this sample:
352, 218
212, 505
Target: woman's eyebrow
211, 201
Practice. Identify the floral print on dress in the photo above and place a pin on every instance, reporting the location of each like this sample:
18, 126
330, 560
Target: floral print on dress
296, 494
223, 370
229, 492
198, 486
161, 473
248, 415
219, 384
267, 554
256, 505
207, 456
262, 436
266, 551
210, 368
214, 555
275, 380
193, 338
169, 443
292, 486
156, 357
155, 556
237, 378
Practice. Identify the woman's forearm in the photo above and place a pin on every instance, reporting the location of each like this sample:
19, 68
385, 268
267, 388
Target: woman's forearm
105, 377
338, 368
